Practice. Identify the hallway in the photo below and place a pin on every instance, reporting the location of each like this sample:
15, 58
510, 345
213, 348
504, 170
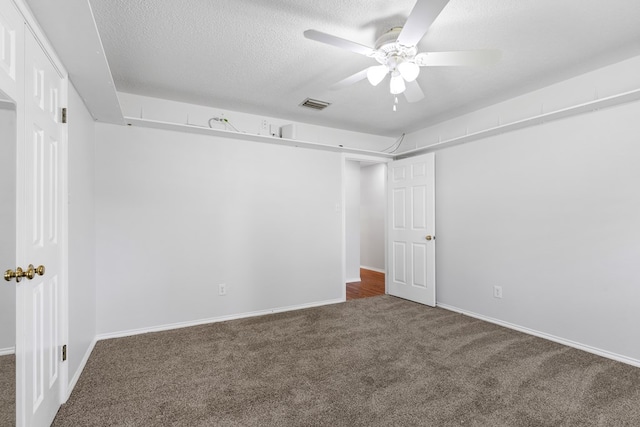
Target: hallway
371, 285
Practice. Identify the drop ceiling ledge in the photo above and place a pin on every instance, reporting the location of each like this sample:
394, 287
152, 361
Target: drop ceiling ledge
598, 104
79, 47
157, 124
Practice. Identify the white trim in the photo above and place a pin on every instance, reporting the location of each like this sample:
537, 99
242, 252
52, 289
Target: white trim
355, 279
83, 363
377, 270
6, 104
187, 324
573, 110
7, 351
63, 304
569, 343
343, 227
387, 265
365, 156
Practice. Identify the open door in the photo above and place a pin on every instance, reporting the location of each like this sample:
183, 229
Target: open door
411, 229
34, 88
34, 85
41, 240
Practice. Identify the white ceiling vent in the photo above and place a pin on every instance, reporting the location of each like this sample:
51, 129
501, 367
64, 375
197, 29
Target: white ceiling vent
315, 104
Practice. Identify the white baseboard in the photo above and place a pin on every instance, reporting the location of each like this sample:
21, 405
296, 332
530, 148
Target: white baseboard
378, 270
356, 279
7, 351
559, 340
187, 324
83, 363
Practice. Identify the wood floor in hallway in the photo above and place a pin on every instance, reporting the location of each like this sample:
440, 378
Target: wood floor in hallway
371, 284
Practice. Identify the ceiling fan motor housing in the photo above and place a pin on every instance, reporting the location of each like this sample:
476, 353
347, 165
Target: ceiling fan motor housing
389, 52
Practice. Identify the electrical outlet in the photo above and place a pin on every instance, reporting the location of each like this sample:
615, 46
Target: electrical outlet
222, 289
497, 291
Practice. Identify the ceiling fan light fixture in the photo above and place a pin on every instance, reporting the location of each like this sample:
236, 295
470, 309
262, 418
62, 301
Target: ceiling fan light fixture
397, 84
409, 71
396, 51
376, 74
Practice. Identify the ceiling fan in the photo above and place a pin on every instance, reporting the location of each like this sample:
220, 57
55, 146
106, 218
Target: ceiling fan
398, 56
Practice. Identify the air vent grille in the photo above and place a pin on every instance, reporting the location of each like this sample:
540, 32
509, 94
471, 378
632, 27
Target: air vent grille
315, 104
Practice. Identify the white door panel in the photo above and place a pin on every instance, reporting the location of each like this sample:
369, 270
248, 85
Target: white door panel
39, 301
411, 184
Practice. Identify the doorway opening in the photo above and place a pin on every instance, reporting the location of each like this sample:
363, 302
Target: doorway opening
365, 207
8, 146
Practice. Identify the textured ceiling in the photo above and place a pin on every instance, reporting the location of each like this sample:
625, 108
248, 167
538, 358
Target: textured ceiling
251, 55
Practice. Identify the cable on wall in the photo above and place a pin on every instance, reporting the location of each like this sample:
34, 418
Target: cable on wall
223, 121
394, 147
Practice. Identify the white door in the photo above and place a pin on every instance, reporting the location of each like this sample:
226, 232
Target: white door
11, 92
38, 345
411, 229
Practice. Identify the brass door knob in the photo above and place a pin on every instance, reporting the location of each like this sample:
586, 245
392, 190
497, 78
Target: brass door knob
32, 271
19, 273
430, 237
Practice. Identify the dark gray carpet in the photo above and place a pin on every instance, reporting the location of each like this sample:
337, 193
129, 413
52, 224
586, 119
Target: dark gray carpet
379, 361
8, 390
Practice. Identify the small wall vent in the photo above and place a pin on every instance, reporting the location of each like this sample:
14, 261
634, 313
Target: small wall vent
315, 104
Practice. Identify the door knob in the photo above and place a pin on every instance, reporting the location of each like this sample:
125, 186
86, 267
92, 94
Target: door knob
19, 273
32, 271
429, 237
10, 274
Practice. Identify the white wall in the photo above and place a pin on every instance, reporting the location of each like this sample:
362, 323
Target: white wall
352, 220
373, 202
82, 260
551, 214
178, 214
7, 227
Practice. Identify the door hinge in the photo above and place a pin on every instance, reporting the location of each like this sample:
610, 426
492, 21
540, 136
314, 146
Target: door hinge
64, 353
64, 115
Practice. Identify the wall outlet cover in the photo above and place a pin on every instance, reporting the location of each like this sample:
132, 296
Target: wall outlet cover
497, 291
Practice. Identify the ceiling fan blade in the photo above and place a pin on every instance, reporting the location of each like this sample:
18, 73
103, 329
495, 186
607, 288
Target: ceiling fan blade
360, 75
458, 58
321, 37
413, 92
419, 21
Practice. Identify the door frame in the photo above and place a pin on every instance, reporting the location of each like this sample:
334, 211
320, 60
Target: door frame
343, 173
30, 24
8, 107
